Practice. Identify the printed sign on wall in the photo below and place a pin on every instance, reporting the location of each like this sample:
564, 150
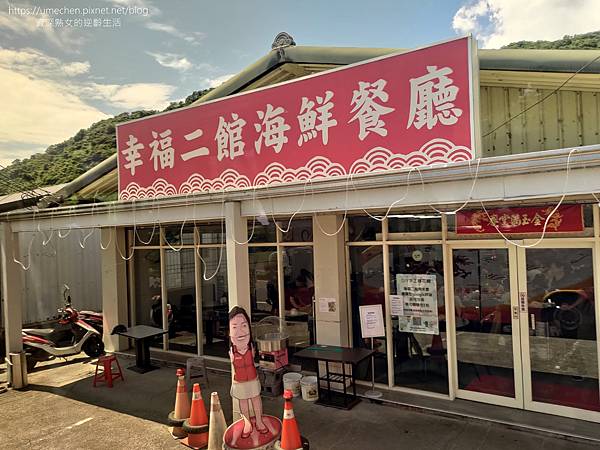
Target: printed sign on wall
567, 218
419, 312
409, 109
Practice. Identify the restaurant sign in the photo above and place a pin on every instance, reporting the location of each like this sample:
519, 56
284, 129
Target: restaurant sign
567, 218
408, 109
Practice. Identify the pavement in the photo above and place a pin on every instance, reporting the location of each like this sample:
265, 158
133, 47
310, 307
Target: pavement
61, 410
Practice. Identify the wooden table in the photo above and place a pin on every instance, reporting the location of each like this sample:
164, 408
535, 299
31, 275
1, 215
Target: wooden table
333, 354
142, 334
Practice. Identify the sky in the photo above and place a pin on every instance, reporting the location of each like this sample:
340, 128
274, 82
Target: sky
67, 64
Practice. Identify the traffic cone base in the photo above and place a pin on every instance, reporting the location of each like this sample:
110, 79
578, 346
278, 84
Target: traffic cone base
197, 425
182, 408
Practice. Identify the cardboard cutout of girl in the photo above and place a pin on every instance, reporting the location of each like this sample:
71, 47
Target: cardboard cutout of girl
245, 386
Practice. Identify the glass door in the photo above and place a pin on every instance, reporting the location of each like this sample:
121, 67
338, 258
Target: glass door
558, 325
487, 367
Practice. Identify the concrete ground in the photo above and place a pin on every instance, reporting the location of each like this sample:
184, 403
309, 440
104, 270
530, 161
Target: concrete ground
61, 410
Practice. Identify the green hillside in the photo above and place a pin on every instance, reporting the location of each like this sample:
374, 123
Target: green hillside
587, 41
63, 162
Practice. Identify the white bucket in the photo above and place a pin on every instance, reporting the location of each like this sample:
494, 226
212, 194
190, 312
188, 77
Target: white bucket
310, 391
291, 381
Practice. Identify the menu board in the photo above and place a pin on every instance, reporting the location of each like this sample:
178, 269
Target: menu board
416, 303
371, 321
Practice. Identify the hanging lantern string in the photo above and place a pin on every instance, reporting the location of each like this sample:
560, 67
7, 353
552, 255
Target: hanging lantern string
83, 241
289, 225
387, 213
180, 229
222, 244
316, 216
469, 197
560, 201
154, 224
70, 213
20, 263
253, 221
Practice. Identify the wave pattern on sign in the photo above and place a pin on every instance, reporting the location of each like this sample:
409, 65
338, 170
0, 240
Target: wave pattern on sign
436, 151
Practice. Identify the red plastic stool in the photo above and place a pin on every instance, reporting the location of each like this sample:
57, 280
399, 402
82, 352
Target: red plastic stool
107, 374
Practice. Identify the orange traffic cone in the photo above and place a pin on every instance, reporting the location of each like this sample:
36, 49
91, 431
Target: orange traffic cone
290, 435
197, 425
217, 425
182, 407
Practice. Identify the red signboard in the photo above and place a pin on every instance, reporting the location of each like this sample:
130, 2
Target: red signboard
567, 218
408, 109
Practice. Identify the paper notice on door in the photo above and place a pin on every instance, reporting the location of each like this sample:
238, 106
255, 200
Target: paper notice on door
397, 304
419, 303
371, 321
327, 305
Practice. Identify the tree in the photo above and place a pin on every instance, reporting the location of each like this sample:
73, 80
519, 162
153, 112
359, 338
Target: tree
587, 41
65, 161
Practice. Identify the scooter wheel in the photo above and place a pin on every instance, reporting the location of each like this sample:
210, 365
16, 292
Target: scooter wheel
31, 363
93, 347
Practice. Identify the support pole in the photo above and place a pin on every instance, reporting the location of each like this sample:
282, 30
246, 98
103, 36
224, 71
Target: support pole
372, 393
12, 287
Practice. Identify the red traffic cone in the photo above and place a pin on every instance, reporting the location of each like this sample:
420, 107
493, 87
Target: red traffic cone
182, 407
197, 425
290, 435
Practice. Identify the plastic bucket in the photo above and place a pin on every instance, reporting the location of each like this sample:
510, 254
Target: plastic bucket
291, 381
310, 392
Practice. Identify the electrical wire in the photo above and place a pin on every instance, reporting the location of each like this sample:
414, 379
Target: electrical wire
582, 68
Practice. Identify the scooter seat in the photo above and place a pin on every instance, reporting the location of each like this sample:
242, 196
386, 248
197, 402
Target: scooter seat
44, 332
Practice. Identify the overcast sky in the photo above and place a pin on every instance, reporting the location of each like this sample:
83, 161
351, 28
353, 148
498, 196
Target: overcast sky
62, 69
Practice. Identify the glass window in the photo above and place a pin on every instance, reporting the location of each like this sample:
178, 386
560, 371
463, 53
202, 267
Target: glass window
299, 291
367, 288
147, 235
264, 230
409, 223
211, 233
364, 228
300, 230
264, 297
419, 336
177, 236
181, 300
562, 327
484, 343
215, 303
148, 300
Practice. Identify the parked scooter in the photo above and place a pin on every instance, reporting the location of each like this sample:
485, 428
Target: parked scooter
75, 332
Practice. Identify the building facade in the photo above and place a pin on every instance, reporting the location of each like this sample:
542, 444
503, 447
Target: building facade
501, 252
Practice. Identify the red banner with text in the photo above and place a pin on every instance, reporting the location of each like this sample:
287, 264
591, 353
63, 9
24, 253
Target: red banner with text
388, 113
567, 218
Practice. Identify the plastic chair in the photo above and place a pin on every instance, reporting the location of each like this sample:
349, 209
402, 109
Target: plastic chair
198, 367
106, 374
